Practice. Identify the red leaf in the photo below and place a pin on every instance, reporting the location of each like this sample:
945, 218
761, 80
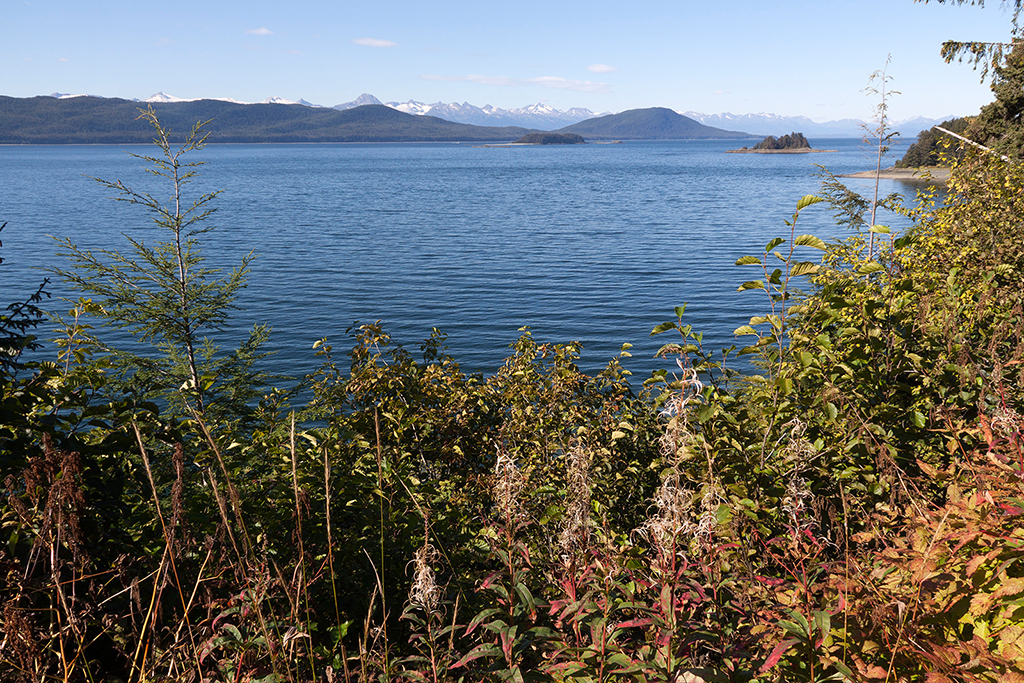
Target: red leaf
777, 653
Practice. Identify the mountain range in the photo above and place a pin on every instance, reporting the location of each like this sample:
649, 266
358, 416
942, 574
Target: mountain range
93, 120
544, 117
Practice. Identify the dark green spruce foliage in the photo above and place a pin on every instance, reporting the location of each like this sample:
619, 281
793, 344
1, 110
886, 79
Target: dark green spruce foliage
851, 511
932, 144
17, 322
790, 141
1000, 124
164, 296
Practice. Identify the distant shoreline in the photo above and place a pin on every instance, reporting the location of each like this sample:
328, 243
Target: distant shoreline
920, 175
803, 150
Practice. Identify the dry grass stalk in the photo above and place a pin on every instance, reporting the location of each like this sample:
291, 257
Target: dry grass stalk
509, 484
424, 592
574, 540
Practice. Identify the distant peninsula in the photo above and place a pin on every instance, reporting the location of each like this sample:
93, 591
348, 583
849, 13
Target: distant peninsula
794, 143
550, 139
95, 120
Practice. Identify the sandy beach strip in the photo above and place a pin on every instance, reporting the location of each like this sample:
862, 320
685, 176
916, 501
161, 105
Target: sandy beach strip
930, 174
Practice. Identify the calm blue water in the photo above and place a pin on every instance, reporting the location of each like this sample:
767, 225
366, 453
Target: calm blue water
595, 243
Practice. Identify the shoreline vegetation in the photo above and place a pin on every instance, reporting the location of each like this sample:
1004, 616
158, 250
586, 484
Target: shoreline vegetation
848, 511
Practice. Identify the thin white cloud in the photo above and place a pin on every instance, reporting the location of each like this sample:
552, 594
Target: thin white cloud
555, 82
723, 92
262, 31
601, 69
62, 59
374, 42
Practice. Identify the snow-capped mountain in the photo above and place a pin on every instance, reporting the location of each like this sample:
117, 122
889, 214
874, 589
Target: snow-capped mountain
909, 128
773, 124
164, 97
540, 116
365, 98
545, 117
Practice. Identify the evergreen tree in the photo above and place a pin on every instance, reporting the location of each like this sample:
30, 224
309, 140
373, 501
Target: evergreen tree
930, 145
1000, 125
16, 323
164, 296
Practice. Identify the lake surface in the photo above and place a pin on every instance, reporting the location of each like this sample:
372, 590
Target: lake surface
595, 243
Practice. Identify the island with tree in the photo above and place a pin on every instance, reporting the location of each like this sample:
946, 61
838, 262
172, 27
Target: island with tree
793, 143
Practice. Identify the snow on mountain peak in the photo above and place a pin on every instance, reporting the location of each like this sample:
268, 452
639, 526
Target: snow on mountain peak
164, 97
364, 99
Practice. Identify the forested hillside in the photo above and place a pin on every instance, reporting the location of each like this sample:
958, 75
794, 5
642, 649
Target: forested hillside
656, 123
94, 120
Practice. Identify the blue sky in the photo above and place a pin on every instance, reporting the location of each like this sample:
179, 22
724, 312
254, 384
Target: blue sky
741, 56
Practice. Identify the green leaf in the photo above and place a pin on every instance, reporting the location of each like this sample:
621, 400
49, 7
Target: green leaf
804, 268
485, 614
723, 515
744, 329
664, 327
800, 630
918, 419
751, 284
809, 241
748, 261
774, 243
680, 310
482, 650
869, 267
233, 630
822, 622
882, 229
808, 200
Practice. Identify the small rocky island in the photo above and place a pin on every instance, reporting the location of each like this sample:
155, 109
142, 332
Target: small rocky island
550, 139
794, 143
